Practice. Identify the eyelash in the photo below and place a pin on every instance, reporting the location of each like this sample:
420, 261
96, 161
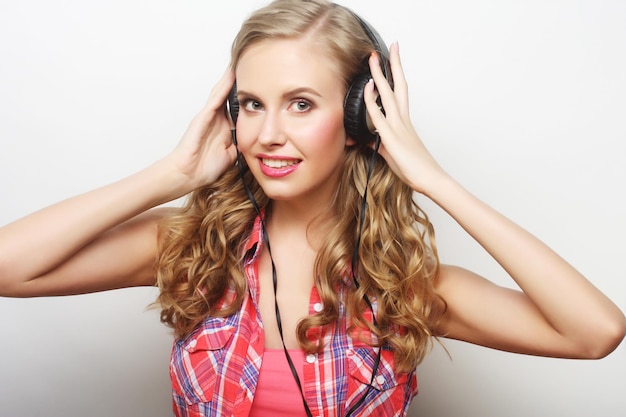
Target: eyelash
246, 103
299, 101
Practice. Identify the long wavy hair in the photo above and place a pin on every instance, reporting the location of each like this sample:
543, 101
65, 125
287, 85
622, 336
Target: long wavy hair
200, 247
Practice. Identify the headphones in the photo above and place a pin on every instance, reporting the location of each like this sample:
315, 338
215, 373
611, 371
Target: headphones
356, 121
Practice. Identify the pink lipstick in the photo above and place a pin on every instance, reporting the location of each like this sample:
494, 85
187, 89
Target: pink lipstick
278, 167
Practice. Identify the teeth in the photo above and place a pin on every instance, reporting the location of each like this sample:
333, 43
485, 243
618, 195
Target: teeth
278, 163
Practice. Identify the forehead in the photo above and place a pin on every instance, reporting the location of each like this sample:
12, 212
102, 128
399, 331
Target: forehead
288, 63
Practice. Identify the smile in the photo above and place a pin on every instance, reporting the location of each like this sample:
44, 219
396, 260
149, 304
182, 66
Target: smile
277, 168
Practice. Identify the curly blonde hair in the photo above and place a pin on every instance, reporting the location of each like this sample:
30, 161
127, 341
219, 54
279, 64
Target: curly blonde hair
200, 247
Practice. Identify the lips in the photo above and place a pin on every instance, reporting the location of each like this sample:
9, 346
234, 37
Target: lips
274, 167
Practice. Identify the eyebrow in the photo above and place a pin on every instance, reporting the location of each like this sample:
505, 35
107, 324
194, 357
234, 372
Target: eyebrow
288, 93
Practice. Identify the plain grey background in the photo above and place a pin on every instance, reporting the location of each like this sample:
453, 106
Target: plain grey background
523, 101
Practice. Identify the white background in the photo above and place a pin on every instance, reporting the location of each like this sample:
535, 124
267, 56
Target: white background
523, 101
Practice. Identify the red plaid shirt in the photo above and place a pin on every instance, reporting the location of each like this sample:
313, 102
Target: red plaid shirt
214, 371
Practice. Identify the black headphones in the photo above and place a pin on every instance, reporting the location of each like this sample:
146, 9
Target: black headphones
355, 118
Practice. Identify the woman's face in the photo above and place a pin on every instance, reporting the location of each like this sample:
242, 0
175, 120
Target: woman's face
290, 124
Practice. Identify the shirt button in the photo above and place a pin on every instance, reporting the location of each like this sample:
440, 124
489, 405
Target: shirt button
193, 343
380, 379
318, 307
310, 358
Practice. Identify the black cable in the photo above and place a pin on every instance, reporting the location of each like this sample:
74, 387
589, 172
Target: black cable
275, 279
274, 274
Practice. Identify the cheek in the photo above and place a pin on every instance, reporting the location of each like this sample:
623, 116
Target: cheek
245, 134
327, 132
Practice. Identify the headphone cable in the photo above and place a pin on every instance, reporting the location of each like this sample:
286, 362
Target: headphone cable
257, 209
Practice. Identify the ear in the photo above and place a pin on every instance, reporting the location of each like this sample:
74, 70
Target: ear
350, 141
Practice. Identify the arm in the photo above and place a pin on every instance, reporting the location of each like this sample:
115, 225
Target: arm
106, 238
557, 313
87, 243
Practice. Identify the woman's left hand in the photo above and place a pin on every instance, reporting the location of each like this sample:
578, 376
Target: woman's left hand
400, 145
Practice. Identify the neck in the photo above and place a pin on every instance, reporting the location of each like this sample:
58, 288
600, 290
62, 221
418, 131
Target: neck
309, 221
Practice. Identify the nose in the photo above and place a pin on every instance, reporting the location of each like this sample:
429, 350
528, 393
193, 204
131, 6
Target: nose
272, 129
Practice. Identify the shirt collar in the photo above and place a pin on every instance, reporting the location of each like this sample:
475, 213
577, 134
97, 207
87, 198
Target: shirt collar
254, 243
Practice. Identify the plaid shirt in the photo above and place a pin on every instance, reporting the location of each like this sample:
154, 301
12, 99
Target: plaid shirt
214, 371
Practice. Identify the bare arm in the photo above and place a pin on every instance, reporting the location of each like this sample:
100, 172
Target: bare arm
558, 312
106, 238
88, 243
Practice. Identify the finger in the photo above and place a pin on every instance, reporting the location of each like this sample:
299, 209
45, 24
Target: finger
375, 113
377, 74
213, 110
400, 84
220, 90
383, 87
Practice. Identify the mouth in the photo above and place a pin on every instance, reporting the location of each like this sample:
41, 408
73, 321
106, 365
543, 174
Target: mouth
277, 168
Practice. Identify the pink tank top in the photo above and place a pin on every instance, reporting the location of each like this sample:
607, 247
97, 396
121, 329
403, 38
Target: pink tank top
277, 393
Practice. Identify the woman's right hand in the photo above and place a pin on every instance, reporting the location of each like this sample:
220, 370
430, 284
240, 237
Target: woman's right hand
106, 238
206, 149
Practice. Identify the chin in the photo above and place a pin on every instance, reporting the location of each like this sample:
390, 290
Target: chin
279, 195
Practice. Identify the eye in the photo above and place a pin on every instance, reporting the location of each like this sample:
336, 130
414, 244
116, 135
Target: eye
300, 105
252, 105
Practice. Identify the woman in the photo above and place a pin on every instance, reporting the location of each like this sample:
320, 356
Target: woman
342, 333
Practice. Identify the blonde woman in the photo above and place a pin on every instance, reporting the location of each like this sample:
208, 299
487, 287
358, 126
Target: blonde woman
300, 277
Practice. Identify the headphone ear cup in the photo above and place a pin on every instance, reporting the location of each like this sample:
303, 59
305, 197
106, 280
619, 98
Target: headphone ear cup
232, 105
355, 118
